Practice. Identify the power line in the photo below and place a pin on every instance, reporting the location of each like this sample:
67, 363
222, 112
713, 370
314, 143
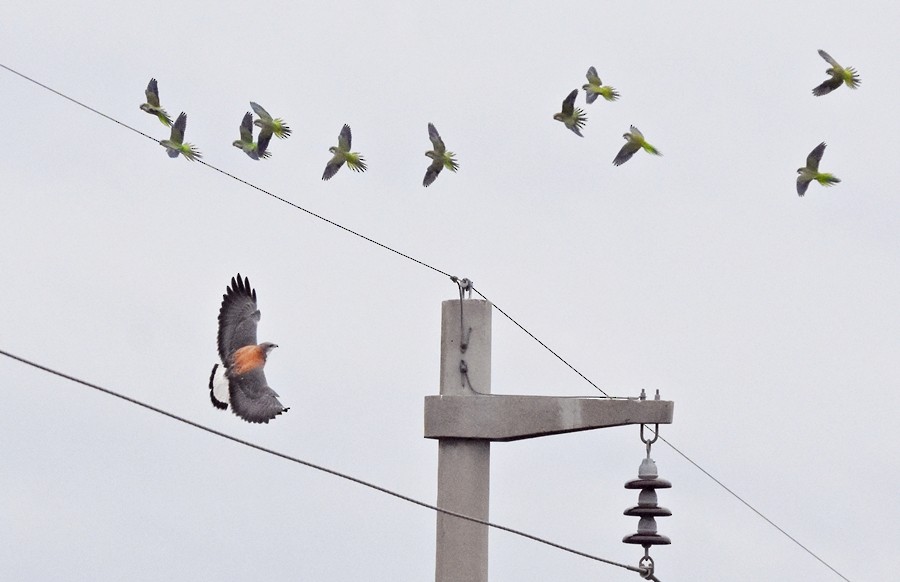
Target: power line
424, 264
753, 509
545, 346
293, 459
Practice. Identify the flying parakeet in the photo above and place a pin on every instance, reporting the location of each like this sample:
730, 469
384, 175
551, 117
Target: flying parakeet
343, 154
811, 171
152, 105
257, 150
175, 144
839, 76
266, 122
442, 158
595, 87
634, 142
570, 115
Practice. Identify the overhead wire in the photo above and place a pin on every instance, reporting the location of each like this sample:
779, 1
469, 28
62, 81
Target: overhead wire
437, 270
753, 509
545, 346
317, 467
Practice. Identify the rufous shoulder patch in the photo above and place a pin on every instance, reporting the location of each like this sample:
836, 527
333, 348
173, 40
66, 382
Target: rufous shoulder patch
246, 359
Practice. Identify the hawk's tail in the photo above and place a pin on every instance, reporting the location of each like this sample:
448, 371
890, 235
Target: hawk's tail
218, 386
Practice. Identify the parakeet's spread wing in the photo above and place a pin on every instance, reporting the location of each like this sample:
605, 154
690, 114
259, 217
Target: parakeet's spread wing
432, 172
265, 136
436, 140
828, 58
178, 128
828, 86
152, 93
626, 152
637, 133
568, 104
815, 156
802, 185
258, 109
251, 398
238, 318
247, 128
345, 138
333, 165
593, 78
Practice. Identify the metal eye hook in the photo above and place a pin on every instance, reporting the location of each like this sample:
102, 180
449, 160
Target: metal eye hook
647, 563
465, 292
653, 440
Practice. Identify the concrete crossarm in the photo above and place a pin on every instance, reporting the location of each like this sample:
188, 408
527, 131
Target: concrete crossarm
501, 417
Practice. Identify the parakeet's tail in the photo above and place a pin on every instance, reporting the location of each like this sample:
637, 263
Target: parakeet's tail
652, 150
852, 78
190, 152
164, 118
357, 163
578, 121
450, 162
281, 129
827, 179
609, 93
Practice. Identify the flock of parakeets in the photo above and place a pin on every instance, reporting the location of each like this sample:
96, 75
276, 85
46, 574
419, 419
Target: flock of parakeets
575, 119
269, 126
572, 117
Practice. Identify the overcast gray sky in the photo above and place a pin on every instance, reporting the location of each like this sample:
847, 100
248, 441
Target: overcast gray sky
770, 320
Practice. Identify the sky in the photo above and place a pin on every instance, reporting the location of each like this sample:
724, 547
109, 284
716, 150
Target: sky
770, 320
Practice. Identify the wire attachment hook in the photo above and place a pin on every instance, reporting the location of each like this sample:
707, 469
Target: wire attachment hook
649, 442
465, 285
646, 564
465, 292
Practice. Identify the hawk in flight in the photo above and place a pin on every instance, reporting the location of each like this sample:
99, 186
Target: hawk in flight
240, 380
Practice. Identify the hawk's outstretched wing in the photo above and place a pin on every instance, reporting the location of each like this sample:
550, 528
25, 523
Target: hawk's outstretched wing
238, 318
251, 398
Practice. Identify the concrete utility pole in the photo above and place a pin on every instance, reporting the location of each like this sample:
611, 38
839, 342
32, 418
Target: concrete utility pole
465, 418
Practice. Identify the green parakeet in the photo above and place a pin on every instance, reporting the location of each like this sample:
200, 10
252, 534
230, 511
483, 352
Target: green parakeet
839, 76
811, 171
343, 154
440, 156
595, 87
175, 144
634, 141
152, 105
256, 150
570, 115
266, 122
